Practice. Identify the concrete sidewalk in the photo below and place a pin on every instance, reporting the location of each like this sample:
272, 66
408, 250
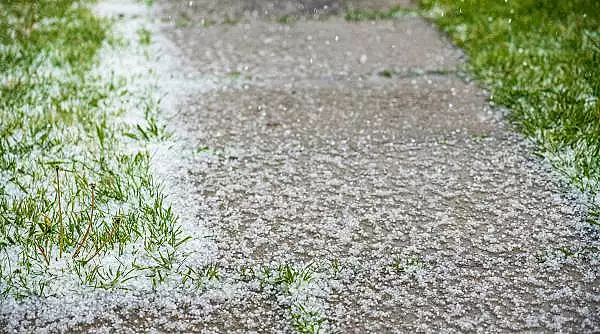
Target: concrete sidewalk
362, 142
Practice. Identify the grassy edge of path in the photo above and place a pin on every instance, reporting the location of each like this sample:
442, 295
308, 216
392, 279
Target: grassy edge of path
79, 206
541, 60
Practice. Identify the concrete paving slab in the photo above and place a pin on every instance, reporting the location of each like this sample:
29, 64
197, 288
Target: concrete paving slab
330, 49
216, 10
307, 115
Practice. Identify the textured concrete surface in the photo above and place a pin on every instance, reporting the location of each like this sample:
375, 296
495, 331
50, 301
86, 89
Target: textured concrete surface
328, 50
218, 10
309, 154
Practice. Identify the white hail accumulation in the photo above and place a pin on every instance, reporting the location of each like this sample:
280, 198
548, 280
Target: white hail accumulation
151, 72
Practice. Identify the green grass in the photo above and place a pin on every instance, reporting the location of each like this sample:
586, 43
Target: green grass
195, 278
287, 19
410, 264
144, 36
73, 200
355, 15
291, 281
386, 73
541, 59
229, 21
307, 321
148, 3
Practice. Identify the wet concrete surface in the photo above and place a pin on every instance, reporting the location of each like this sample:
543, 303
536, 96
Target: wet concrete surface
307, 154
196, 11
328, 50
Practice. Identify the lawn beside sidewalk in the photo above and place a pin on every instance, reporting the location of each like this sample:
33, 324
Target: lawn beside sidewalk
79, 206
541, 60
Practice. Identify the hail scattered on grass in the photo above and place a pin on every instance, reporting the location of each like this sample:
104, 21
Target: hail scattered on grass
79, 205
541, 59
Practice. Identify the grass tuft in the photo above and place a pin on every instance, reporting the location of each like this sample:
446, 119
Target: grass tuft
357, 15
386, 73
410, 264
144, 36
307, 321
